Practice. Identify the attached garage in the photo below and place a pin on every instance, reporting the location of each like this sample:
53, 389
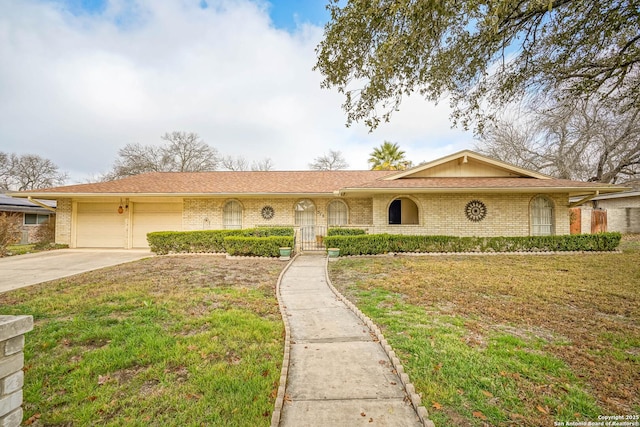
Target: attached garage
100, 226
148, 217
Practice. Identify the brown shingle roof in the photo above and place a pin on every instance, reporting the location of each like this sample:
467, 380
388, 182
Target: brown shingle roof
225, 182
308, 182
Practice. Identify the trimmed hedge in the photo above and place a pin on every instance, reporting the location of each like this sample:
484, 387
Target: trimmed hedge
207, 241
372, 244
267, 231
256, 246
338, 231
165, 242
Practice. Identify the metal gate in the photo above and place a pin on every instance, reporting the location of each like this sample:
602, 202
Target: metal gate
311, 237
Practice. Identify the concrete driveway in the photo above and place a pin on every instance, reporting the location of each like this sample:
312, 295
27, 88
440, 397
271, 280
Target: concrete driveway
25, 270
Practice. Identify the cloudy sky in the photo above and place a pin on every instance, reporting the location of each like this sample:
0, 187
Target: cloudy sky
80, 79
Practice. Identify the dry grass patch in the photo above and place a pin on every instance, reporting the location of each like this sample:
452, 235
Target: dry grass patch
571, 322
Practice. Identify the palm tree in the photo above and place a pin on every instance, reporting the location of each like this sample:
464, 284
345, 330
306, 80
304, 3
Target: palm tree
388, 157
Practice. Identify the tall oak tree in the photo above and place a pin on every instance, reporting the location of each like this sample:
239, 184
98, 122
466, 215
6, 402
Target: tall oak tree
481, 54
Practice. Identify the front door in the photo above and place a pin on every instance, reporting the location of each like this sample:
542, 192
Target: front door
305, 211
395, 212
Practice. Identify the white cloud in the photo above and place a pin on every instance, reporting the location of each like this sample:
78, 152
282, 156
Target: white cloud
77, 88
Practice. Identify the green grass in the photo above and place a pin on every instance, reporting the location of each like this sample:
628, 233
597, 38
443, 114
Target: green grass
193, 340
508, 340
13, 250
20, 249
449, 367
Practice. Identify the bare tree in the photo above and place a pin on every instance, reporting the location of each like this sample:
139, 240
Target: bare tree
231, 163
265, 164
32, 171
572, 139
134, 159
333, 160
239, 163
28, 172
6, 171
186, 152
513, 141
183, 152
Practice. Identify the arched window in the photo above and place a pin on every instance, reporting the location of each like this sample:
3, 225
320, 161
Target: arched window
337, 213
403, 211
542, 216
232, 215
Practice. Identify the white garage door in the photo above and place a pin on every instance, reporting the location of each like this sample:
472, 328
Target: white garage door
99, 225
148, 217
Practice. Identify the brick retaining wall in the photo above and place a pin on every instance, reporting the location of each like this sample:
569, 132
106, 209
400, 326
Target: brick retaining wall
12, 330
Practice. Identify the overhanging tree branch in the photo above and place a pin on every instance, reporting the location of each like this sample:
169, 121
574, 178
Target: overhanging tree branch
457, 49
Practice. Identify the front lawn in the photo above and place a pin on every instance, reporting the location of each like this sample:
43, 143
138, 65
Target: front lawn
508, 340
181, 340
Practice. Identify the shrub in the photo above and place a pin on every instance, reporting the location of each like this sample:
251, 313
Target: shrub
367, 244
9, 231
45, 235
339, 231
164, 242
383, 243
268, 231
256, 246
206, 241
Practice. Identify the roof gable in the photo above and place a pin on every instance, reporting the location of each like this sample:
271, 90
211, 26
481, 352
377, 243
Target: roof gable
466, 164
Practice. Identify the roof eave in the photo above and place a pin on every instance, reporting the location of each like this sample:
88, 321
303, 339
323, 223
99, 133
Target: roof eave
616, 196
24, 209
63, 195
574, 191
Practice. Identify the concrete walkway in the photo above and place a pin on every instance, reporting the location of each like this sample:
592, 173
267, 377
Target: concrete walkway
339, 374
24, 270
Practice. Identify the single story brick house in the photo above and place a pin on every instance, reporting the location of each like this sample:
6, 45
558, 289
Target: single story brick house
34, 218
463, 194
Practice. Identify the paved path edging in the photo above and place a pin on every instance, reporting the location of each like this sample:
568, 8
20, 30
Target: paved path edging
416, 401
284, 372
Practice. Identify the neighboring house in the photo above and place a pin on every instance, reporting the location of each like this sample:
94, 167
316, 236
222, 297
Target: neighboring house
464, 194
33, 218
610, 212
